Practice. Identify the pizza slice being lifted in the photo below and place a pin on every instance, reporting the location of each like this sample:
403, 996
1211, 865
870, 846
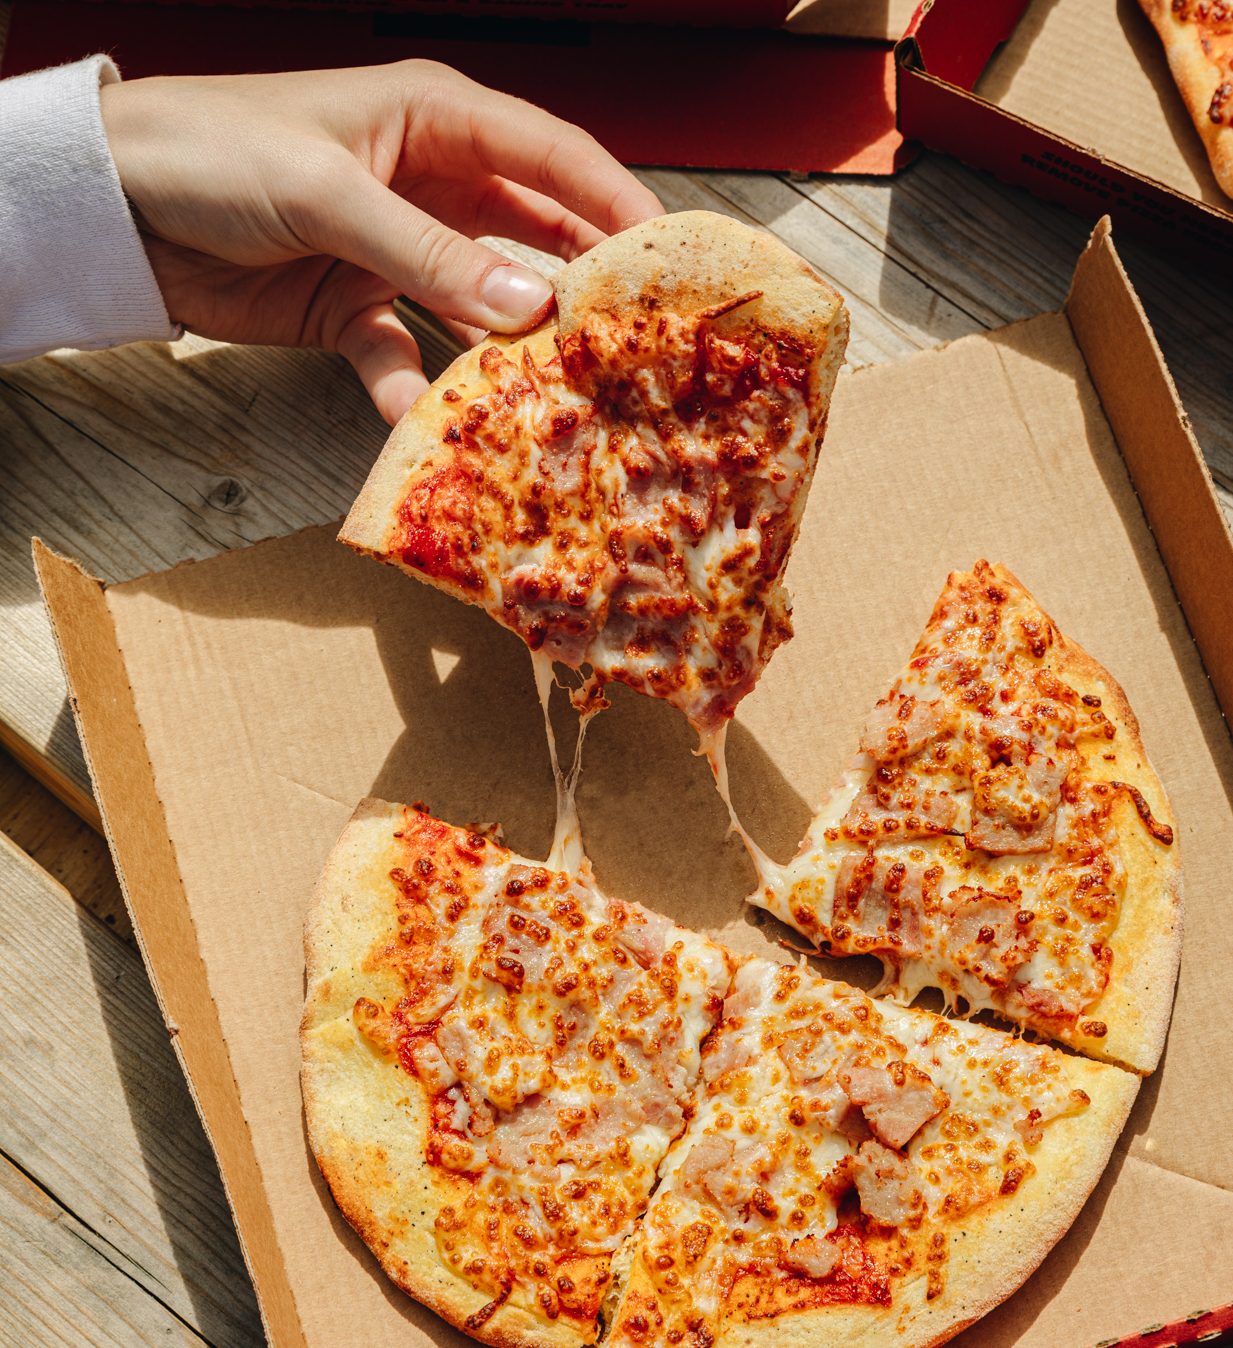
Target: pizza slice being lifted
621, 487
1001, 835
1198, 41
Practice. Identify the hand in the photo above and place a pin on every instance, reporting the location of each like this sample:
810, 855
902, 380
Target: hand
292, 209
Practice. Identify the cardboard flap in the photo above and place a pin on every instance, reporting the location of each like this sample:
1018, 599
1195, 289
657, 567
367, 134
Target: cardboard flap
702, 95
1166, 465
133, 819
955, 42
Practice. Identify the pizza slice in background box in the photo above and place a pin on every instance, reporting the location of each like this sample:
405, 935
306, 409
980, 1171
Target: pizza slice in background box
306, 678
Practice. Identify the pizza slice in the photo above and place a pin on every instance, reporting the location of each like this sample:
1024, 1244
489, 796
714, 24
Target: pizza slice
621, 487
1198, 41
859, 1172
495, 1061
1001, 835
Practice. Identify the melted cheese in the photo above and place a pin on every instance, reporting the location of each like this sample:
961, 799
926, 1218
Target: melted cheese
760, 1185
568, 852
635, 495
971, 844
713, 745
557, 1035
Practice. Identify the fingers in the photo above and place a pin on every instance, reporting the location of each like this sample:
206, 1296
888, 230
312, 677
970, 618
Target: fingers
509, 211
375, 229
520, 141
386, 358
512, 139
466, 334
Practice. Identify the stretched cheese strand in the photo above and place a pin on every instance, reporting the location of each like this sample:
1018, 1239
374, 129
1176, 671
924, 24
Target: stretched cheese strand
714, 744
567, 852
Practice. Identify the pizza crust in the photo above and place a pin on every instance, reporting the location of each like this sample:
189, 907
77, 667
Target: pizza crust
1147, 942
1197, 79
992, 1251
690, 260
366, 1118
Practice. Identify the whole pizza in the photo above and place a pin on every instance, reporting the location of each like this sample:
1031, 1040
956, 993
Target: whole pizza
559, 1118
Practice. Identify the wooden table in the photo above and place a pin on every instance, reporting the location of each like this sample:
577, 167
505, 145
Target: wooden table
113, 1225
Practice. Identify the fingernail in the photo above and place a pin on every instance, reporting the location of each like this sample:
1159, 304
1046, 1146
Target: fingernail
515, 293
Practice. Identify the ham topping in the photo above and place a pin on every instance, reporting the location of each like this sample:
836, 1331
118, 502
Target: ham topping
878, 904
900, 726
1044, 1004
897, 1100
729, 1176
543, 1132
726, 1053
811, 1256
806, 1053
644, 934
882, 1183
986, 933
431, 1066
896, 805
1014, 807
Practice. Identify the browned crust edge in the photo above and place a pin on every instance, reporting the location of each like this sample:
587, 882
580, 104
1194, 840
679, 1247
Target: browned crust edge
1147, 943
336, 1128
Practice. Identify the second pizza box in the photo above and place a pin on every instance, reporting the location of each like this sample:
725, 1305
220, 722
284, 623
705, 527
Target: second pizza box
1072, 99
774, 84
234, 711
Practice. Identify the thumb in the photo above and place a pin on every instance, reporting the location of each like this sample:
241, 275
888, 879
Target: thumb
443, 270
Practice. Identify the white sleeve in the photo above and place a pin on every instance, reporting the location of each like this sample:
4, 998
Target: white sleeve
72, 268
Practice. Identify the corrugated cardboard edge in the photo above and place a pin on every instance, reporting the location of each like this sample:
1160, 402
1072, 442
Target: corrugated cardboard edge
1179, 502
135, 827
1162, 456
1201, 1327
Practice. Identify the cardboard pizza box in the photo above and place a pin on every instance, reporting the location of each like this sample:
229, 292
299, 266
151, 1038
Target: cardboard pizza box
1072, 99
233, 711
753, 84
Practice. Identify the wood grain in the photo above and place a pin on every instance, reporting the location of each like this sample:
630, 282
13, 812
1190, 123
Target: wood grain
60, 1287
95, 1111
64, 845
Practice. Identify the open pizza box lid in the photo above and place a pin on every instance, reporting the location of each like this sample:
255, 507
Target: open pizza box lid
805, 85
233, 712
1074, 100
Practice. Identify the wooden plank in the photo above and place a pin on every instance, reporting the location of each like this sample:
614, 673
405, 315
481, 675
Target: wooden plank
66, 847
94, 1109
60, 1287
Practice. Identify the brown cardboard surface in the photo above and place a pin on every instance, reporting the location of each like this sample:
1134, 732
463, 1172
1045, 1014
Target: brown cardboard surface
277, 685
879, 19
1095, 72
